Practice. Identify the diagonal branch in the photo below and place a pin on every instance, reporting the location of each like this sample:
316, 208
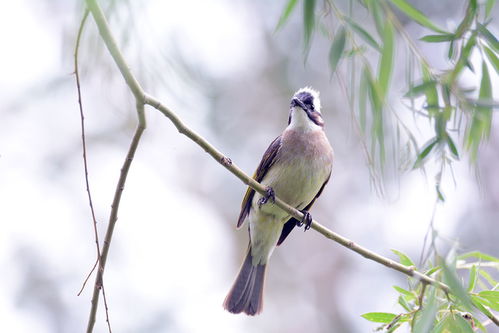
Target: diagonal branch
142, 98
227, 163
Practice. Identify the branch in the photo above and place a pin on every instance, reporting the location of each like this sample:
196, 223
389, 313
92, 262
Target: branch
114, 215
138, 93
84, 145
227, 163
85, 164
143, 98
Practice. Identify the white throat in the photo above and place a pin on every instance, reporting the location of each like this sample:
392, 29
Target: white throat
300, 121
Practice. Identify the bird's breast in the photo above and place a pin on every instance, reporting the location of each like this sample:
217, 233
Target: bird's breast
302, 165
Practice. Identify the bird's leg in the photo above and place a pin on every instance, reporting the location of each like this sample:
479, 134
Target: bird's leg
269, 194
306, 220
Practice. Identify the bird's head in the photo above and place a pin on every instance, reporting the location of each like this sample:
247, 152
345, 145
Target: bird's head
305, 110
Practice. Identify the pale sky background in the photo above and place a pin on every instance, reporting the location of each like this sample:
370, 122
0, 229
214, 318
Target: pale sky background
175, 250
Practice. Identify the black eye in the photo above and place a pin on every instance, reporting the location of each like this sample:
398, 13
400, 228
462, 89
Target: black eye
308, 102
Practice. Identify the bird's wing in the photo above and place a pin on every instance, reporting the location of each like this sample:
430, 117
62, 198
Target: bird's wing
288, 226
267, 161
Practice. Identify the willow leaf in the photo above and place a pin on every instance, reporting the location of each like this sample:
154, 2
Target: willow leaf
337, 48
416, 15
290, 6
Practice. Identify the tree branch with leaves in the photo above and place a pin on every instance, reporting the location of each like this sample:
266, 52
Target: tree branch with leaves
454, 111
442, 100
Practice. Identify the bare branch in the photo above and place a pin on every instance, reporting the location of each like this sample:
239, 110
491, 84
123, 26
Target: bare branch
220, 158
112, 46
88, 276
138, 93
85, 164
114, 214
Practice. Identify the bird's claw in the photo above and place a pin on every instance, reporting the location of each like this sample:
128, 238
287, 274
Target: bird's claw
306, 220
269, 194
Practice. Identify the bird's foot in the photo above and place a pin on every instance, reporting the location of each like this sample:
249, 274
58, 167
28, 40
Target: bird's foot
269, 194
306, 220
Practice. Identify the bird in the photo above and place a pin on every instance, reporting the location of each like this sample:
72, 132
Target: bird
295, 167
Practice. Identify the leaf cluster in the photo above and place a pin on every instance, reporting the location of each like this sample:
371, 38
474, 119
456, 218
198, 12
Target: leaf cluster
472, 300
459, 113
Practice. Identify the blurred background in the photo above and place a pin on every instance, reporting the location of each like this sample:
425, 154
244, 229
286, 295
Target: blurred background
222, 67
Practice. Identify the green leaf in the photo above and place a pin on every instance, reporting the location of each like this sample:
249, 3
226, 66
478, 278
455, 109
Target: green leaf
404, 304
377, 124
451, 279
308, 22
425, 322
486, 94
492, 58
478, 255
488, 277
440, 195
416, 15
378, 14
386, 62
431, 93
363, 99
433, 270
404, 292
490, 295
337, 48
465, 24
420, 89
424, 153
463, 58
490, 303
438, 38
452, 146
479, 304
403, 258
379, 317
469, 65
450, 52
491, 39
482, 117
363, 34
290, 6
472, 279
488, 7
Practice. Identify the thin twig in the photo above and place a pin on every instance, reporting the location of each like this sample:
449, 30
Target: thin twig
141, 99
88, 277
85, 164
84, 145
114, 215
420, 305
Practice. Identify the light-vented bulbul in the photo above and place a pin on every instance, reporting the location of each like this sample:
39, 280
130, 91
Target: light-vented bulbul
296, 167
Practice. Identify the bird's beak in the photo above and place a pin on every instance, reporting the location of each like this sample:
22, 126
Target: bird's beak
296, 102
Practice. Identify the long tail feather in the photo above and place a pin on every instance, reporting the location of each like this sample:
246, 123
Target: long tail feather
246, 295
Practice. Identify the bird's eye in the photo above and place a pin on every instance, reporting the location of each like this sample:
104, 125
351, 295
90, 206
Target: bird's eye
308, 102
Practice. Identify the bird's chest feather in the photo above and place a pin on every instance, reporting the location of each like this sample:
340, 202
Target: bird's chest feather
301, 167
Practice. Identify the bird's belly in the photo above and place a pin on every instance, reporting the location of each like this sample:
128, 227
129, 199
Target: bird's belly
297, 182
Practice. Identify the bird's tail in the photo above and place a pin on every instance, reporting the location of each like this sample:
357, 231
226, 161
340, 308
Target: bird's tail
247, 292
